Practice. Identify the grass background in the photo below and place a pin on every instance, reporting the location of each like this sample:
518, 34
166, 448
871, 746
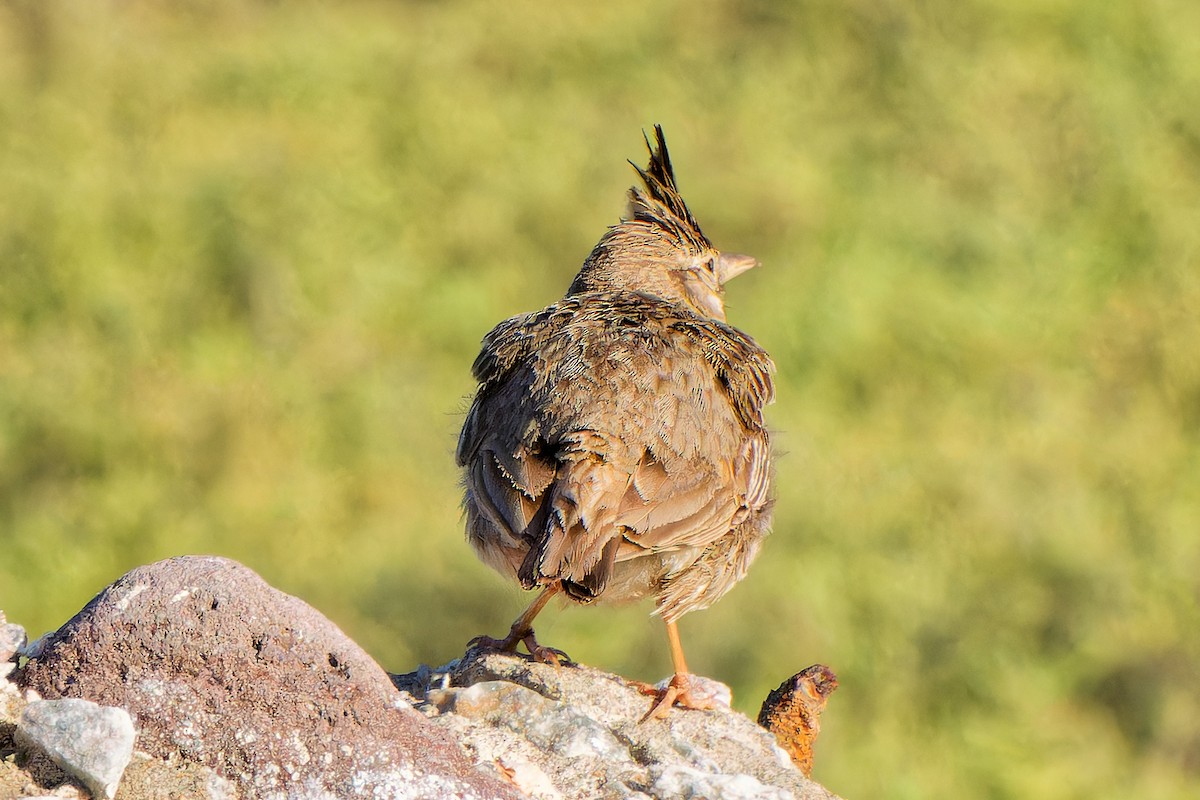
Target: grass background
248, 250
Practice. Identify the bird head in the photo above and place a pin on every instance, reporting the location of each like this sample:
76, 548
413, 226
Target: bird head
658, 247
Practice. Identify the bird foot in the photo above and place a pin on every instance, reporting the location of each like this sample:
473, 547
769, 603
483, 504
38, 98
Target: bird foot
543, 654
539, 653
681, 690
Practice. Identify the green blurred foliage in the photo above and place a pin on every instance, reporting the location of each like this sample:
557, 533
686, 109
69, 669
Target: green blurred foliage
248, 250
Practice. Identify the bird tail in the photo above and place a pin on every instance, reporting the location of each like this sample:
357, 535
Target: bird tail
578, 541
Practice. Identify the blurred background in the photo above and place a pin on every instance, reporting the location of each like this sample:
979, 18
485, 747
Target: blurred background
248, 251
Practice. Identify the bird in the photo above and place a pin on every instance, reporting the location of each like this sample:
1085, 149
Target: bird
793, 712
616, 447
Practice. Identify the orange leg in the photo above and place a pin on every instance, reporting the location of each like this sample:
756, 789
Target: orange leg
521, 632
678, 690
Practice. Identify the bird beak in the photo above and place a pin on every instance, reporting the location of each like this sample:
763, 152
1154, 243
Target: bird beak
730, 265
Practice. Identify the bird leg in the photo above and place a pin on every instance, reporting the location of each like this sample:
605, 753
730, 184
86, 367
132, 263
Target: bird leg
678, 690
521, 632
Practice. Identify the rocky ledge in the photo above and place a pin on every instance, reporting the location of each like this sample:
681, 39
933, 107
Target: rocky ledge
192, 678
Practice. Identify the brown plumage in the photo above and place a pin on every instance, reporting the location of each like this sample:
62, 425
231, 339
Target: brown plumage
616, 449
793, 712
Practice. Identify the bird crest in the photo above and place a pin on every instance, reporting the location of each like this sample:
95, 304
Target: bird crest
660, 203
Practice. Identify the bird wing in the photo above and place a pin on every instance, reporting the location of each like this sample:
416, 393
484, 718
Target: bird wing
708, 465
505, 476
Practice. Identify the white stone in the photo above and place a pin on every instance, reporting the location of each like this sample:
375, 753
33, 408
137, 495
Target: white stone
12, 640
93, 743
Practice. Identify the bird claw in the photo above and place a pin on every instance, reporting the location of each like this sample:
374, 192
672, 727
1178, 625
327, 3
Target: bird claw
545, 655
496, 645
539, 653
677, 692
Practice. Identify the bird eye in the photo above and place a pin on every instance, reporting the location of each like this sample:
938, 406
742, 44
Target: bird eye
711, 265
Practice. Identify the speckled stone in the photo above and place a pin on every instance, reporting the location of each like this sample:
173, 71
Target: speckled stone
574, 731
221, 670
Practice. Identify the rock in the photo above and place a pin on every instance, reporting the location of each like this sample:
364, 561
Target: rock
579, 729
792, 712
12, 639
238, 692
91, 742
220, 670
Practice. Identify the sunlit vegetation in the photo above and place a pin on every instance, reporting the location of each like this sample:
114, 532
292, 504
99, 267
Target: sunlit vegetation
248, 250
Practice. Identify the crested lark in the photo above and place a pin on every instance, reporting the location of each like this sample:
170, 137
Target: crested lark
616, 449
